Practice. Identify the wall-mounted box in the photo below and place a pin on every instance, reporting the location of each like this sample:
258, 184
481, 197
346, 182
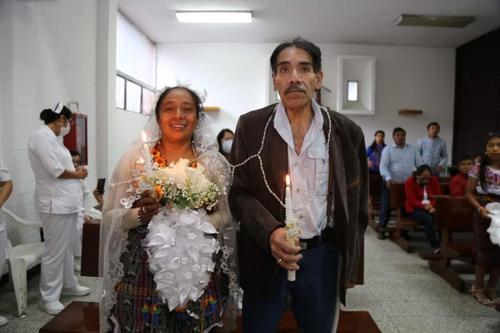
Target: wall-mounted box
356, 85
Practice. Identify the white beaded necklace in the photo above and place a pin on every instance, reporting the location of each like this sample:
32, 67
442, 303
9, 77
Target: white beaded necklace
259, 157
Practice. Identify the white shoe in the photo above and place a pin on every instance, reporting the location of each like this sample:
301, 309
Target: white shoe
52, 308
3, 321
76, 291
78, 267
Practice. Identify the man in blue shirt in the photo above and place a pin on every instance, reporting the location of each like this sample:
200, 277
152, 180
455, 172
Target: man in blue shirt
432, 149
396, 165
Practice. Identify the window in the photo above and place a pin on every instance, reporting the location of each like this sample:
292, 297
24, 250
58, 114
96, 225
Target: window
120, 92
352, 91
133, 97
148, 101
136, 68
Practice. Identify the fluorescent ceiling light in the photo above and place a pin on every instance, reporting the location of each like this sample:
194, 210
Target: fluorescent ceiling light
434, 21
214, 17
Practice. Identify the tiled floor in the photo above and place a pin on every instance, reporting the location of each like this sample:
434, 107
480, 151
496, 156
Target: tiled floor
35, 317
403, 295
400, 292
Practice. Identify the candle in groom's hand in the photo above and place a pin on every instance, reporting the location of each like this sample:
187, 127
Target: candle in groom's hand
291, 226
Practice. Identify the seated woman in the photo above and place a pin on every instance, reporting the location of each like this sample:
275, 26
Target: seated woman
419, 204
169, 258
458, 183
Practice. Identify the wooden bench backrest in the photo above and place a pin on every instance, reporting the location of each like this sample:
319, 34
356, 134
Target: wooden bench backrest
454, 213
398, 196
445, 188
375, 185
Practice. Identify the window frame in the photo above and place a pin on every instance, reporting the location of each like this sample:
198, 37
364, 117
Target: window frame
143, 86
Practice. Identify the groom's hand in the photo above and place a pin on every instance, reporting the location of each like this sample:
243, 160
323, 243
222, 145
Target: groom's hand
286, 255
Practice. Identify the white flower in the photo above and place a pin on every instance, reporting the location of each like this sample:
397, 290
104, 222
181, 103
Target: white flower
182, 186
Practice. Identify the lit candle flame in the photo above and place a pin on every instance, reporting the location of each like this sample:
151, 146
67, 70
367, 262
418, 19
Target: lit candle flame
287, 180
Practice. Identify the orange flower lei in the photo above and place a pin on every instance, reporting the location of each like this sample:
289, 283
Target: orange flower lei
162, 161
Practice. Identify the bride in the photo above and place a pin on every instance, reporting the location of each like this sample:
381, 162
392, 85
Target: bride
154, 281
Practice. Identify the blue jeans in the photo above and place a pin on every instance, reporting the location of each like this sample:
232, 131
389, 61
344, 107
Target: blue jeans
385, 206
313, 295
423, 217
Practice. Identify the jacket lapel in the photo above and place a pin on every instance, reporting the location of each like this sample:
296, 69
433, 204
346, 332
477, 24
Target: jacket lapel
338, 168
277, 165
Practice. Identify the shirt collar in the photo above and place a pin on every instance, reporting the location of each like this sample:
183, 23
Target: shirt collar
48, 130
282, 125
396, 146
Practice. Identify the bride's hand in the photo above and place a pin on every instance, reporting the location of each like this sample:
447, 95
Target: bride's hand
148, 207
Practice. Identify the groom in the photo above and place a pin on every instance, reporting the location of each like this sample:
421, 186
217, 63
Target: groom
323, 152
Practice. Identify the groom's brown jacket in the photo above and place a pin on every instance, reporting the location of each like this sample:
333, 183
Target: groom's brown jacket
259, 213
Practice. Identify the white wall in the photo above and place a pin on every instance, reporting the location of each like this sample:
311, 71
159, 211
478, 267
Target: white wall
136, 53
234, 75
48, 53
406, 78
237, 78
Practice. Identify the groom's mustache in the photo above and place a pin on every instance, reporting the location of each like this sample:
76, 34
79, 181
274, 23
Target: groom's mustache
294, 88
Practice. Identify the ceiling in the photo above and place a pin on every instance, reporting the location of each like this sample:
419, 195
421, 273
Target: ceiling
321, 21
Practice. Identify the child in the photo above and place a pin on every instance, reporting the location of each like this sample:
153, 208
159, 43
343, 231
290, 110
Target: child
458, 183
483, 187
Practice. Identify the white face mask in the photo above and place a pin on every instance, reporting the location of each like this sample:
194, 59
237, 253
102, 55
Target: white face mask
226, 146
65, 130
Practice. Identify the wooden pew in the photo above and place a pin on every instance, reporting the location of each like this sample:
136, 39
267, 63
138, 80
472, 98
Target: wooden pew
445, 188
83, 317
375, 191
453, 214
444, 179
90, 248
402, 223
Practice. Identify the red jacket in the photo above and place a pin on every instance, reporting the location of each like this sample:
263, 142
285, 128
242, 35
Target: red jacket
458, 184
415, 193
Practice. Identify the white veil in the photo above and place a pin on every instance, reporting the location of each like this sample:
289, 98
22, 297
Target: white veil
113, 238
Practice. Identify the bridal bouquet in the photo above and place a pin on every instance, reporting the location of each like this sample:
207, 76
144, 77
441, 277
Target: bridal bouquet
181, 242
182, 186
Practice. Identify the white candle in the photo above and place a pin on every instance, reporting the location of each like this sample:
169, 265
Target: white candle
290, 223
147, 155
288, 200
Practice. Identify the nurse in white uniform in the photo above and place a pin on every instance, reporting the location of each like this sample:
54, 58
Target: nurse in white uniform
58, 199
5, 191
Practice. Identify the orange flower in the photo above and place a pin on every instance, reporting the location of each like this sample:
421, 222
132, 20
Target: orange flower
159, 191
157, 157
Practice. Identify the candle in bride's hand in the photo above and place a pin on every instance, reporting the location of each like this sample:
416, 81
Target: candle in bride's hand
147, 155
291, 226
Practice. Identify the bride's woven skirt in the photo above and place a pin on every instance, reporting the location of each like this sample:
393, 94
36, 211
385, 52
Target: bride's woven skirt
139, 309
